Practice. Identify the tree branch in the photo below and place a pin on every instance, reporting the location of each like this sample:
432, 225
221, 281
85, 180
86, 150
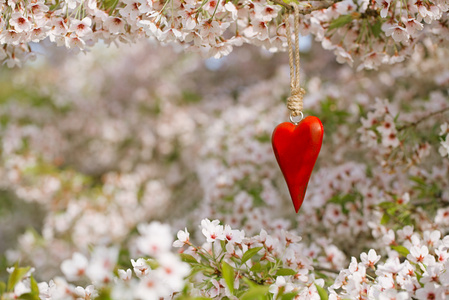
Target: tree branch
309, 7
413, 124
282, 3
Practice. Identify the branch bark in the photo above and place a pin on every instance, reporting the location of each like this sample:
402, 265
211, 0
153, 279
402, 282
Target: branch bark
413, 124
309, 5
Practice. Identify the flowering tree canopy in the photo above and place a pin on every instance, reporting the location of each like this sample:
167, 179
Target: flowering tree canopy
367, 33
105, 156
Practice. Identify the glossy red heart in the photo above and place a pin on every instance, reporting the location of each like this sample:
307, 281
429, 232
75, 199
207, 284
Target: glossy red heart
296, 148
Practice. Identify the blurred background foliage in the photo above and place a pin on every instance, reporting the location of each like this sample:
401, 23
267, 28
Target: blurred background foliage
93, 144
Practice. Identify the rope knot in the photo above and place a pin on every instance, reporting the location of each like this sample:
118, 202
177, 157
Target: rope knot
295, 101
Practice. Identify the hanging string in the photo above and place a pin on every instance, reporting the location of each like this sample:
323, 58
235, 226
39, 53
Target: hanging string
295, 101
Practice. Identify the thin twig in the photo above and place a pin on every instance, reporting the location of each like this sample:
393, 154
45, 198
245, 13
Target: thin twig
437, 200
413, 124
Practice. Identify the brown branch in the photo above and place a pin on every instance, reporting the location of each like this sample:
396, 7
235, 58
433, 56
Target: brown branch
280, 2
309, 8
413, 124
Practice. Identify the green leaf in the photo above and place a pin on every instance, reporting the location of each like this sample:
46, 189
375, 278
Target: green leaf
104, 294
34, 294
285, 272
34, 286
256, 267
376, 29
392, 210
203, 257
152, 263
16, 276
228, 275
343, 199
386, 204
401, 250
250, 253
205, 270
322, 292
340, 22
29, 296
287, 1
418, 180
2, 288
397, 115
385, 219
53, 7
250, 283
289, 296
188, 258
223, 246
253, 293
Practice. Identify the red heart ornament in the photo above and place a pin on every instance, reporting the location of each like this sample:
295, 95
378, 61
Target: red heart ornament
296, 148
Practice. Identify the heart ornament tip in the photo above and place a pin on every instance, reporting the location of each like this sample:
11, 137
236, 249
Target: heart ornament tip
296, 148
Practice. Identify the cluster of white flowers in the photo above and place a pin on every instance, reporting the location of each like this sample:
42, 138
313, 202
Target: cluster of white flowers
379, 126
213, 27
277, 253
159, 274
384, 31
415, 267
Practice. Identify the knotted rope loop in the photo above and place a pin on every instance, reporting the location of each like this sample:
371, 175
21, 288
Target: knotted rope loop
295, 101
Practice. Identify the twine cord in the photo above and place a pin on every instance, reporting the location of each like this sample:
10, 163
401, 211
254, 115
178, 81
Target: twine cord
295, 101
